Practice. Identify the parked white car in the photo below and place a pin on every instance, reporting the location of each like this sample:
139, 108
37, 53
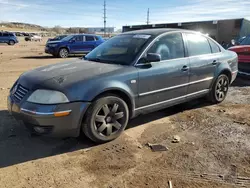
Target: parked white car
33, 38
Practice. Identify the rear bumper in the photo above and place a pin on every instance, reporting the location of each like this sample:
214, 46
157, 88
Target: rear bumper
44, 119
234, 75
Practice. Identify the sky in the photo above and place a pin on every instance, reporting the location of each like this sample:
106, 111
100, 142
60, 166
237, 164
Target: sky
89, 13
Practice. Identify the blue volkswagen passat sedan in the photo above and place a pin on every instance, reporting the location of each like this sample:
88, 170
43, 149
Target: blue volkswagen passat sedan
133, 73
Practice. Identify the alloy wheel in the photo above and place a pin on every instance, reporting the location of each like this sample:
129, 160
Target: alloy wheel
221, 88
64, 53
11, 42
109, 119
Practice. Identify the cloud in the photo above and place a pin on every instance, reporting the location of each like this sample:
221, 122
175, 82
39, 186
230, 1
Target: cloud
202, 10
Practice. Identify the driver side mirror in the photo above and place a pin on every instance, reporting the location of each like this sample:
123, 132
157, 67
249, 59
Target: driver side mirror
73, 40
153, 57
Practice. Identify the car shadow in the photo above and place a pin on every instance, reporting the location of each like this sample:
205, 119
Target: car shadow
241, 81
18, 145
143, 119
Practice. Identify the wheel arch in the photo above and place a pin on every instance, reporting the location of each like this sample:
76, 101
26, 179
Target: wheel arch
124, 95
227, 72
66, 47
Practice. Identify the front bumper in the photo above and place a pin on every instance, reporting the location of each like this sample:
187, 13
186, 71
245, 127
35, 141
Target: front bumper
50, 50
42, 119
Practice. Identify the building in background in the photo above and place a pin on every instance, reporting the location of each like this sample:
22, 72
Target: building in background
220, 30
100, 29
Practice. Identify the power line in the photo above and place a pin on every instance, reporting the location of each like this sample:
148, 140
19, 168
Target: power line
148, 17
104, 17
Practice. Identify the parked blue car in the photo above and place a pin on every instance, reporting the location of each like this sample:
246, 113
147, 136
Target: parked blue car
9, 38
73, 44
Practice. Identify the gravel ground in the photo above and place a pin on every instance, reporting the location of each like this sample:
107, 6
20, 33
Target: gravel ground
213, 150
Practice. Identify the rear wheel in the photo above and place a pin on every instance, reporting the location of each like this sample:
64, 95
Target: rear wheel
106, 119
219, 90
11, 42
63, 53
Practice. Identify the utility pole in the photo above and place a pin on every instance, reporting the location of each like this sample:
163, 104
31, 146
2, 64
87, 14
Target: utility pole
148, 17
104, 17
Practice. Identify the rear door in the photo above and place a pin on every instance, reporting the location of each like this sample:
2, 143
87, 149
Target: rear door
202, 63
89, 43
77, 44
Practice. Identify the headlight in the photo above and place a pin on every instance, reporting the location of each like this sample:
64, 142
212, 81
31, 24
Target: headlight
52, 45
42, 96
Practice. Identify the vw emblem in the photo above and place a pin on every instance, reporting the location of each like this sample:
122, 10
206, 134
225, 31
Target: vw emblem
14, 90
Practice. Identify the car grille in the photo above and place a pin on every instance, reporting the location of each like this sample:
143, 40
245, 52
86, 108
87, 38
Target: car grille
19, 92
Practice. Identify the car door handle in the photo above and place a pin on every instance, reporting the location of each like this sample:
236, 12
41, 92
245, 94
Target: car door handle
214, 62
185, 68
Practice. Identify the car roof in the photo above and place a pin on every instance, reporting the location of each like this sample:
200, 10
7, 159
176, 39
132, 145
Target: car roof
83, 34
156, 32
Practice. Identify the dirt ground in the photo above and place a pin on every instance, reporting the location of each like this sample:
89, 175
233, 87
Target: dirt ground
213, 151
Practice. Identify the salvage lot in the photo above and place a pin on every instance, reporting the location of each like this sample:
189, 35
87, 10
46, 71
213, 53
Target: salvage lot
213, 151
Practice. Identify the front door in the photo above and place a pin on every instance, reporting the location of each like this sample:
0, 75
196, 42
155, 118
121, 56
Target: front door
202, 63
76, 44
165, 82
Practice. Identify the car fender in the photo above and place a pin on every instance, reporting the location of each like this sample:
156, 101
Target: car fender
63, 45
98, 88
222, 67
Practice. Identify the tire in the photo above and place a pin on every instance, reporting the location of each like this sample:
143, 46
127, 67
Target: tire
219, 89
106, 119
11, 42
63, 53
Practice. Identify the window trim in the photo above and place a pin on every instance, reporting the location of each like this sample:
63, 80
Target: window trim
152, 43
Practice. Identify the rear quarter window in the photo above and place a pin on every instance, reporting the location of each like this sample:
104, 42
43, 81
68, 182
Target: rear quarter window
197, 45
214, 47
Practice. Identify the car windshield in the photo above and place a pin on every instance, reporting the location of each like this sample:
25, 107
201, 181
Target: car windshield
121, 49
246, 41
68, 38
60, 37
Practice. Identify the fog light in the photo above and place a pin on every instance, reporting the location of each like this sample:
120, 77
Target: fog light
39, 130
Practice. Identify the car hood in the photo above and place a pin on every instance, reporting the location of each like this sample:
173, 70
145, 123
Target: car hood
51, 41
66, 72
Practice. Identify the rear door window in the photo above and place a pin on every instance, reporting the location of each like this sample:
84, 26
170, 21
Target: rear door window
214, 47
197, 45
89, 38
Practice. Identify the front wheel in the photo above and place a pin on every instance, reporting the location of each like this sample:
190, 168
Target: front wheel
63, 53
11, 42
106, 119
219, 90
